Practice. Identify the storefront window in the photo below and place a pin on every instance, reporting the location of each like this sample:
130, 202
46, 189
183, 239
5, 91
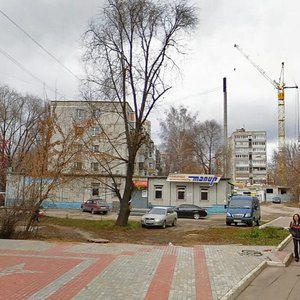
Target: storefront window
158, 191
181, 192
204, 194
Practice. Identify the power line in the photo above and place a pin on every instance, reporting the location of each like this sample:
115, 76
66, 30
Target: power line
24, 69
39, 45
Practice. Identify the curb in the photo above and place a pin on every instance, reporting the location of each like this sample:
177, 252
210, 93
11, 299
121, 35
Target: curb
234, 292
284, 243
266, 225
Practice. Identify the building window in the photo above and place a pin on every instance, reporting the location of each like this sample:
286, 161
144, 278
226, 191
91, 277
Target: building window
158, 191
95, 131
95, 166
204, 194
79, 113
95, 148
78, 165
97, 113
116, 189
95, 188
269, 191
181, 192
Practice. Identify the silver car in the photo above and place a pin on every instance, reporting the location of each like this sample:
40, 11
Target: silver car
159, 216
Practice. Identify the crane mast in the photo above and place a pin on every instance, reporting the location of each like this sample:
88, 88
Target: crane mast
280, 86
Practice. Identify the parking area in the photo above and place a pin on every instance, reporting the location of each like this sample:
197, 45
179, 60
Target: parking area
268, 211
209, 221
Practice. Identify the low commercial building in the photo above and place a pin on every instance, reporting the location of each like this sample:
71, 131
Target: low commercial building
204, 190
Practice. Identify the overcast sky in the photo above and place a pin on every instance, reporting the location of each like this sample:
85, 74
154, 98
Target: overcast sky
266, 30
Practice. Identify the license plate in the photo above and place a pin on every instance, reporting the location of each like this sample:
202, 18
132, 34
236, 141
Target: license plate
237, 221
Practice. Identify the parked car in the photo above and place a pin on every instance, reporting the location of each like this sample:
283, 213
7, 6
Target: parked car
159, 216
243, 209
190, 211
276, 199
95, 205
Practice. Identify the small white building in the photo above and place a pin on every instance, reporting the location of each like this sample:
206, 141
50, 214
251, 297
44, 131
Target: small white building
199, 189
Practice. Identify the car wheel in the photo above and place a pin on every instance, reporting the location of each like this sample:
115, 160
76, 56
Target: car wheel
228, 223
257, 222
164, 225
174, 222
105, 212
196, 216
250, 224
143, 225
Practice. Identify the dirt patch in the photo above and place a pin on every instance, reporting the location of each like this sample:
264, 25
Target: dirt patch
187, 232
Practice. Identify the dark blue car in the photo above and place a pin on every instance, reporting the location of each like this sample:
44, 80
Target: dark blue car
243, 209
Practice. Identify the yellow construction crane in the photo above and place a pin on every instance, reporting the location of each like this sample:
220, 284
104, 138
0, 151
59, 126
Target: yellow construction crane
280, 86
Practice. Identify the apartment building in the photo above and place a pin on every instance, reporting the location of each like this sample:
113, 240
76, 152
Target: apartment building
249, 156
99, 149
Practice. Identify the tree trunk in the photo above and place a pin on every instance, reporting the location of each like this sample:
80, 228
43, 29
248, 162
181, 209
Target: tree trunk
124, 213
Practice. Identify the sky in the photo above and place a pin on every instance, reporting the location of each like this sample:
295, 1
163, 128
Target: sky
266, 30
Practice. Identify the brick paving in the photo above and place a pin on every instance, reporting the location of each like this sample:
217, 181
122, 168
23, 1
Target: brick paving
41, 270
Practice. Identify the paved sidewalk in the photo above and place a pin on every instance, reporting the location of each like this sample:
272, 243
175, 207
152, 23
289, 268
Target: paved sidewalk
43, 270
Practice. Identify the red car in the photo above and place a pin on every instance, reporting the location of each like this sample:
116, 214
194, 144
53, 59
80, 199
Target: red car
95, 206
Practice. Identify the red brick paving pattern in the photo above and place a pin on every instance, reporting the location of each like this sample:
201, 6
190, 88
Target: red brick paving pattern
161, 283
65, 270
23, 282
203, 288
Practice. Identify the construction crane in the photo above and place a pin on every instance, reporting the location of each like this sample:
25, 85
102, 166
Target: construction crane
280, 86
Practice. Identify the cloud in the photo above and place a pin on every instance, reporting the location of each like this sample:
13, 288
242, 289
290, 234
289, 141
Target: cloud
264, 31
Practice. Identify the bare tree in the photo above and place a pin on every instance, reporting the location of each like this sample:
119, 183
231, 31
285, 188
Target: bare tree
208, 145
19, 116
129, 48
285, 169
177, 134
37, 170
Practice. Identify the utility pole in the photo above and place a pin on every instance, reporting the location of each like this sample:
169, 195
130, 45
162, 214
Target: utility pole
225, 128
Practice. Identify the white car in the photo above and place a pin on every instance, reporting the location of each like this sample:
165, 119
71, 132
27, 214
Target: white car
159, 216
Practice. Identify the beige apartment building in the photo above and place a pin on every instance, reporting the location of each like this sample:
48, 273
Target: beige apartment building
100, 149
248, 157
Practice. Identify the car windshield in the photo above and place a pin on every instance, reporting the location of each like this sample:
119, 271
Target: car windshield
101, 202
157, 211
240, 203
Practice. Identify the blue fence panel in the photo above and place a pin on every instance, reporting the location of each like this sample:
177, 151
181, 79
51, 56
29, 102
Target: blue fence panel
216, 209
61, 205
64, 205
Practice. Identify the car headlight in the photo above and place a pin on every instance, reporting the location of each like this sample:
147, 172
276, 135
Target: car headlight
247, 215
228, 214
